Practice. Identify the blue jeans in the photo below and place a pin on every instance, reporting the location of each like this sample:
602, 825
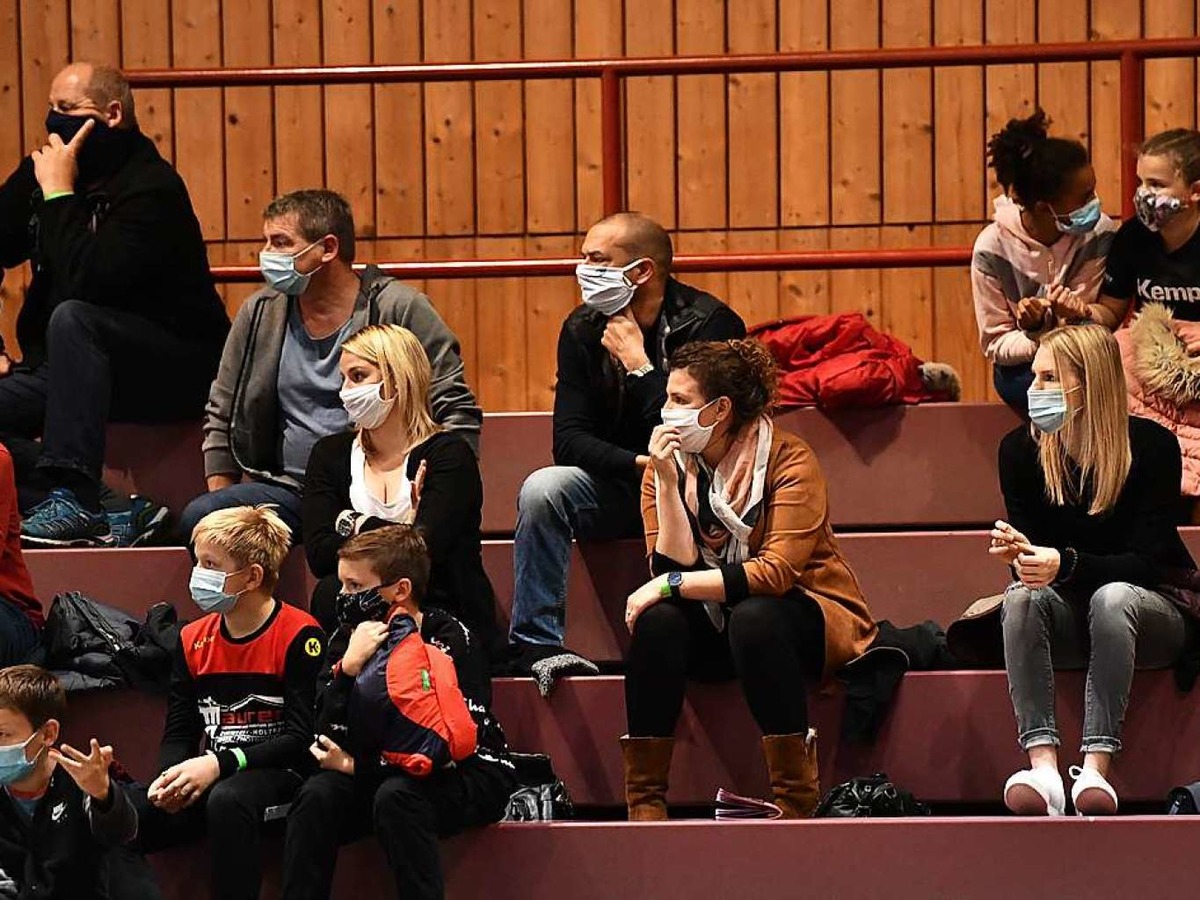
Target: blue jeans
556, 504
1012, 384
18, 637
250, 493
1126, 626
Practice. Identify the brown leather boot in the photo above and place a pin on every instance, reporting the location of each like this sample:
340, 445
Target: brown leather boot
792, 764
647, 762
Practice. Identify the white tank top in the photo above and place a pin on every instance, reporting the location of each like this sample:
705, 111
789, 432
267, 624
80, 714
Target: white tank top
364, 502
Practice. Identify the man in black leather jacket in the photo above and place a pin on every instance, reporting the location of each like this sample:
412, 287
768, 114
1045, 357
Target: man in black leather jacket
612, 381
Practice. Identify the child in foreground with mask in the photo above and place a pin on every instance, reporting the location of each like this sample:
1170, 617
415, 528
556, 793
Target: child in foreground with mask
1104, 582
384, 575
240, 713
1041, 260
63, 818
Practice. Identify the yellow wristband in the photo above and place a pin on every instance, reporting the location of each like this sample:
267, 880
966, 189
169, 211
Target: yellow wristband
57, 194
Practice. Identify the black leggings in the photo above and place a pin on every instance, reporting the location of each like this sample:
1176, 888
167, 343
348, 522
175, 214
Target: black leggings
773, 644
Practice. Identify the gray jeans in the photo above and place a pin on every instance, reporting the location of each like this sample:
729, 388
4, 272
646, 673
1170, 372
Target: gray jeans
1128, 627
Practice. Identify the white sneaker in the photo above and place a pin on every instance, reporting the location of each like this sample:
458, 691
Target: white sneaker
1092, 795
1036, 792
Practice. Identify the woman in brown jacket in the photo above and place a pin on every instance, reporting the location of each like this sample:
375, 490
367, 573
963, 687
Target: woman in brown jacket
748, 578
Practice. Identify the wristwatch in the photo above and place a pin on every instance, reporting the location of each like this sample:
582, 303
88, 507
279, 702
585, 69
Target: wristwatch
671, 586
642, 370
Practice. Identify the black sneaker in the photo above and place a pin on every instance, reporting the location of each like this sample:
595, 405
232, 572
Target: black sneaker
138, 525
59, 521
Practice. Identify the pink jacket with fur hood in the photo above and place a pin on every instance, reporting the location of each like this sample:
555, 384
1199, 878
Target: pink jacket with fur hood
1164, 382
1008, 265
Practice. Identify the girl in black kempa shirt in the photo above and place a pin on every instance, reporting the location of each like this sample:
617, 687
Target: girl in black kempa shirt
1092, 500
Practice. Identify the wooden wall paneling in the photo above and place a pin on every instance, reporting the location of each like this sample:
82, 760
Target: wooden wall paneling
399, 132
804, 184
907, 294
1063, 87
298, 133
456, 299
249, 128
198, 113
96, 31
12, 295
548, 301
349, 133
856, 290
755, 295
401, 250
1011, 90
12, 145
45, 46
449, 123
235, 253
959, 149
856, 138
687, 243
1110, 20
958, 118
856, 150
650, 113
549, 122
1170, 83
907, 116
702, 171
753, 119
803, 293
501, 365
499, 123
956, 336
599, 34
146, 44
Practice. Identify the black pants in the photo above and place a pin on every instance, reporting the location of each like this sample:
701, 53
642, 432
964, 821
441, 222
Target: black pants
323, 606
773, 644
102, 365
231, 813
409, 814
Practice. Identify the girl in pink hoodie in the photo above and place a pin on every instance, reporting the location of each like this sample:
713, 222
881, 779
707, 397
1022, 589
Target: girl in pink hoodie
1041, 260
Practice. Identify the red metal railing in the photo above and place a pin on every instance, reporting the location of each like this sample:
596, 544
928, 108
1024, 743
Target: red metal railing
1131, 54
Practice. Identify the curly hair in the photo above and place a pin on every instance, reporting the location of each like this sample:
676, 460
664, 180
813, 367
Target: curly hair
1181, 146
742, 370
1029, 163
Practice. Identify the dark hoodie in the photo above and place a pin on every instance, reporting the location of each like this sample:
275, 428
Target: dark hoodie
126, 239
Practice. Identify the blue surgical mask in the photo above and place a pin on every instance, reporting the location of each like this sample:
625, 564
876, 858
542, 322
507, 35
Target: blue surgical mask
13, 764
1082, 220
606, 289
279, 269
208, 590
1048, 409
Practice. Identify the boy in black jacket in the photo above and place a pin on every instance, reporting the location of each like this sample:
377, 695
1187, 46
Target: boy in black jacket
240, 712
384, 573
63, 818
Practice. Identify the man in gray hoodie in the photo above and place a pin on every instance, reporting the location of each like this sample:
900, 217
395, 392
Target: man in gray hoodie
276, 392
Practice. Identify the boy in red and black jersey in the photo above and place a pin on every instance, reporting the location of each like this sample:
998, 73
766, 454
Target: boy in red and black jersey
240, 713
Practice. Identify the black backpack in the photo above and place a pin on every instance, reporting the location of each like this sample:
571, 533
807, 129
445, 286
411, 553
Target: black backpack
873, 797
540, 795
1184, 800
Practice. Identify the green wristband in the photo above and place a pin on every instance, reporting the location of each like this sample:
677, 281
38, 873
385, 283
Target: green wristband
57, 194
240, 757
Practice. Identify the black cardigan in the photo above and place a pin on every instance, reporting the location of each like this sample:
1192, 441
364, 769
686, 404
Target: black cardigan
1137, 541
448, 517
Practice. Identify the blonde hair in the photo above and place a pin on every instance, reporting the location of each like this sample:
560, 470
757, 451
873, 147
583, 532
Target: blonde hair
250, 534
404, 365
1098, 431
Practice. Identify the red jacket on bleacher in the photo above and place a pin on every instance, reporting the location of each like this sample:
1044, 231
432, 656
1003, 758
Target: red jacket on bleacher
839, 362
15, 584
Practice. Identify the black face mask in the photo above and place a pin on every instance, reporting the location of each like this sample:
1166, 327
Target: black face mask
361, 606
104, 149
